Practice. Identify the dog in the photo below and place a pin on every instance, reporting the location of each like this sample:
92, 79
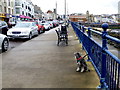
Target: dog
81, 63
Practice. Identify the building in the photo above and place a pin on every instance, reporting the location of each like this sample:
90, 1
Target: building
6, 9
49, 15
37, 12
78, 17
2, 11
24, 9
105, 18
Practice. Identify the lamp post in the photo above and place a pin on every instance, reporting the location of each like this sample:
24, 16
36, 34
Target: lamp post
65, 12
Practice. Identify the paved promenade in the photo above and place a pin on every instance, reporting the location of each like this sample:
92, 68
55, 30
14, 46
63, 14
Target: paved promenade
40, 63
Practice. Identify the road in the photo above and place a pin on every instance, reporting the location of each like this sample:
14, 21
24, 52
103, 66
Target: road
16, 42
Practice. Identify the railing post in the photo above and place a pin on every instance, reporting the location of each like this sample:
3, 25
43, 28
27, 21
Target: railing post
80, 26
83, 28
83, 31
89, 32
104, 46
89, 48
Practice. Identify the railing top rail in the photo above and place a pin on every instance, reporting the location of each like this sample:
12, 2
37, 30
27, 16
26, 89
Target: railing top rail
104, 26
113, 56
97, 32
113, 38
106, 63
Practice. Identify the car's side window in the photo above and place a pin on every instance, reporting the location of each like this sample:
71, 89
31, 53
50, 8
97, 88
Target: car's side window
33, 24
3, 23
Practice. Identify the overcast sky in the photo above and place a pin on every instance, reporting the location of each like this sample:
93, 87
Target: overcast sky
80, 6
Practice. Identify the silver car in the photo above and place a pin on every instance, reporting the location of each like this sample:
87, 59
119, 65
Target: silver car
23, 30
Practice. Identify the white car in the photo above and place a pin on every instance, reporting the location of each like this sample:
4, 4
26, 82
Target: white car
23, 30
51, 24
4, 43
46, 26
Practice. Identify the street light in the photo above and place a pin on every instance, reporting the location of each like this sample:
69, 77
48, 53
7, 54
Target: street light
65, 12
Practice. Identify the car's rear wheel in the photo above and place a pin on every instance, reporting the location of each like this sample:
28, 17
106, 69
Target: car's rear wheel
43, 30
5, 45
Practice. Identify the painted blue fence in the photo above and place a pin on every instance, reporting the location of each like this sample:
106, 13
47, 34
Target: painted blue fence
105, 63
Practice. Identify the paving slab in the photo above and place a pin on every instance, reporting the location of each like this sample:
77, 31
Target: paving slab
40, 63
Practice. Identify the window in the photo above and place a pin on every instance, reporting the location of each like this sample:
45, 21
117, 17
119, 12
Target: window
8, 2
22, 12
33, 24
9, 11
17, 10
3, 24
22, 5
26, 7
0, 8
17, 3
5, 9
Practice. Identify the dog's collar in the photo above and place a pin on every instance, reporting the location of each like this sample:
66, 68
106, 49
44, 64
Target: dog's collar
79, 58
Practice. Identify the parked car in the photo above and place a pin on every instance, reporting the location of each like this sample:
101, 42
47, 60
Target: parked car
3, 27
55, 23
12, 21
51, 24
46, 26
41, 28
4, 43
23, 30
61, 22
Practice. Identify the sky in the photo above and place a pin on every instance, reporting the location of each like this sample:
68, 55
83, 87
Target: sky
79, 6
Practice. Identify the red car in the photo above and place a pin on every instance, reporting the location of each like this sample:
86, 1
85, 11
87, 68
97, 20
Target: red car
41, 28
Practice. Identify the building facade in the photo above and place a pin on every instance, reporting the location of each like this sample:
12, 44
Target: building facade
78, 17
24, 9
37, 12
49, 15
6, 9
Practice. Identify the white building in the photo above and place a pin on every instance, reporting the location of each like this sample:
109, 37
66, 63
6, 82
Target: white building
24, 9
49, 15
105, 18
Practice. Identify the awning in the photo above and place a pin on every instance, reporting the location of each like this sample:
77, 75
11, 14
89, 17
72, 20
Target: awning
27, 17
2, 15
22, 16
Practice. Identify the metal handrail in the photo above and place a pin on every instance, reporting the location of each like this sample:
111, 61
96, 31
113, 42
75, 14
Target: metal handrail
105, 63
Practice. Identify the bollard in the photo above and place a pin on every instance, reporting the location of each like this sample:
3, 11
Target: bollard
104, 46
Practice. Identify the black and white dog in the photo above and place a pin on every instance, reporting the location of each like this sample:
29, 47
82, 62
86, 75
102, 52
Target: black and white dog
81, 63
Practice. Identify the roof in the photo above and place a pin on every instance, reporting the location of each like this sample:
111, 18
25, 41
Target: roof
49, 11
77, 16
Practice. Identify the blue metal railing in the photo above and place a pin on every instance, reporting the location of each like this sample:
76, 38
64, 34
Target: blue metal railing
105, 63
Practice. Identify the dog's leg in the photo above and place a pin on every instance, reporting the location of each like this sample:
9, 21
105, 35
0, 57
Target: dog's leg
78, 67
82, 69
